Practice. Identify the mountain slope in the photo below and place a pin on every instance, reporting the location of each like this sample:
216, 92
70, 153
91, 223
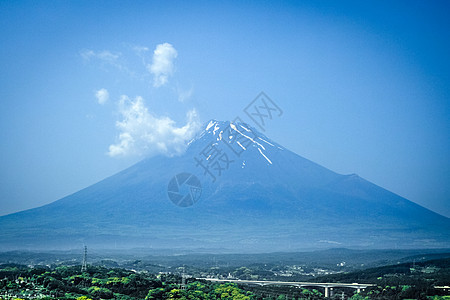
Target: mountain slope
255, 196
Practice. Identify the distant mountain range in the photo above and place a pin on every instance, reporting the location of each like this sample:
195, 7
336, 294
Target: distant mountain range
233, 190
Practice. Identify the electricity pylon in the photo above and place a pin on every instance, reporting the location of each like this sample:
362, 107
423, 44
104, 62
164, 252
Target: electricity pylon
84, 265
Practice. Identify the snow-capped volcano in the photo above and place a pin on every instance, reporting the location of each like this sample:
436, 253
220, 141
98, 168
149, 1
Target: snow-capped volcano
243, 136
234, 189
235, 139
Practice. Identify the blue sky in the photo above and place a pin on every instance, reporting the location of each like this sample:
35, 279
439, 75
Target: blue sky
364, 87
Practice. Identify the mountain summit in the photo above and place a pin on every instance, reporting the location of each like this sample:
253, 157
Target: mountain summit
235, 190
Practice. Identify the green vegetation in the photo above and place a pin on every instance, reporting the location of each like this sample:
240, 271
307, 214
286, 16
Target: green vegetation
199, 291
20, 282
416, 280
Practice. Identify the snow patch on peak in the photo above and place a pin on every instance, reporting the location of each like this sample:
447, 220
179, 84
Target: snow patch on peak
210, 124
255, 142
241, 145
245, 128
265, 141
245, 137
270, 162
216, 127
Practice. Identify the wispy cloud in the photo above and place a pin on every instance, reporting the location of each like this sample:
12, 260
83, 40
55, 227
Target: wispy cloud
142, 53
105, 56
140, 49
143, 133
162, 66
102, 96
184, 95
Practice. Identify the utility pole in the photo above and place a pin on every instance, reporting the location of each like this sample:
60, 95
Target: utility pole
84, 265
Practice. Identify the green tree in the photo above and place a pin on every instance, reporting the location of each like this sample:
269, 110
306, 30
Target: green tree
358, 296
230, 291
157, 293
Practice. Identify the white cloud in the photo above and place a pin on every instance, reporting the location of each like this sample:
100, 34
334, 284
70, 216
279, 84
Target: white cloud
142, 133
162, 65
102, 96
